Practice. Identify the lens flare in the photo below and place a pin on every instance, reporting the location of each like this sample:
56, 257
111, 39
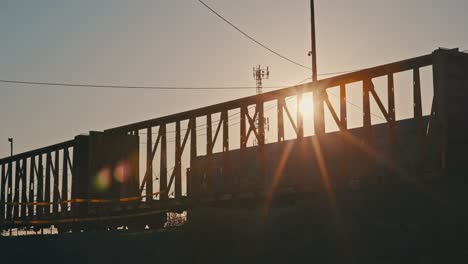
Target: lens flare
103, 179
306, 105
122, 171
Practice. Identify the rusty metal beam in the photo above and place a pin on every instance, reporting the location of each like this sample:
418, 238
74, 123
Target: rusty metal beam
367, 85
252, 126
10, 189
32, 164
193, 149
319, 114
150, 154
163, 164
149, 165
378, 101
392, 123
299, 119
418, 116
39, 151
2, 193
281, 93
366, 109
40, 186
280, 106
226, 175
47, 183
64, 196
24, 188
332, 110
218, 129
343, 108
178, 164
209, 135
243, 128
291, 120
344, 141
16, 195
56, 193
241, 178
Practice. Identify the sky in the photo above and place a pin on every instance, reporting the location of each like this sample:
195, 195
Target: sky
180, 43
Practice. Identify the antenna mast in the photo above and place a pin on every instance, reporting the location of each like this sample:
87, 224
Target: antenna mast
259, 75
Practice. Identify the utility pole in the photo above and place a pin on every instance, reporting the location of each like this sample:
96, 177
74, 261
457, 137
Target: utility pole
259, 75
313, 51
319, 118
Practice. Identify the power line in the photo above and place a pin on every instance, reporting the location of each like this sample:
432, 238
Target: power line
88, 85
135, 87
252, 38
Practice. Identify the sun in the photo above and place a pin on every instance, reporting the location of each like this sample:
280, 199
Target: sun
306, 105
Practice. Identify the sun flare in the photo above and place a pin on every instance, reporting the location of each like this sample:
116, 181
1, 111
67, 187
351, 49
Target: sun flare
306, 105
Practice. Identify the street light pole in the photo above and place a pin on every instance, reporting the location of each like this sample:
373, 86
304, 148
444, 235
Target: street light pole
313, 52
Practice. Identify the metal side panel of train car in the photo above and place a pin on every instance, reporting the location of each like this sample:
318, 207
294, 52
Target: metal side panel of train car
106, 167
337, 160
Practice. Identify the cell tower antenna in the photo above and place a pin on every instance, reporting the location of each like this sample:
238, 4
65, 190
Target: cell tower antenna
259, 75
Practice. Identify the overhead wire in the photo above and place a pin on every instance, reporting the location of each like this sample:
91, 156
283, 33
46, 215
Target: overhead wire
89, 85
135, 87
252, 38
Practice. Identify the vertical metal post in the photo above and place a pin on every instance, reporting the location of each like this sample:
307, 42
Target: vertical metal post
392, 124
193, 153
55, 192
300, 140
209, 135
261, 123
40, 186
24, 188
163, 164
343, 128
31, 185
226, 174
64, 207
10, 189
280, 110
261, 143
367, 124
149, 165
243, 175
17, 193
209, 150
2, 194
343, 109
224, 117
300, 123
178, 163
243, 127
319, 115
417, 106
366, 108
47, 183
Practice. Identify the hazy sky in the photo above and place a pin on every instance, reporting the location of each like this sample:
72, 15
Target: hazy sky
180, 43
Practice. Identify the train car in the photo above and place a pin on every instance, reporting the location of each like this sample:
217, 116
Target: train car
78, 184
338, 160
